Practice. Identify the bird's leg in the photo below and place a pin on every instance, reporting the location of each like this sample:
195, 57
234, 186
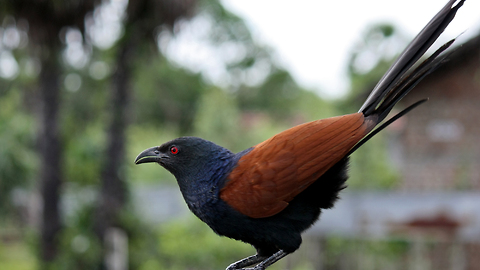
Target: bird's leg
254, 259
270, 260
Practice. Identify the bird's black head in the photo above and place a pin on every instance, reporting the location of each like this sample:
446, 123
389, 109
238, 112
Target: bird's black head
185, 156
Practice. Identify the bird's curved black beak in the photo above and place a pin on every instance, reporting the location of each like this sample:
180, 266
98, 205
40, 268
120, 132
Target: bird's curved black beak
149, 155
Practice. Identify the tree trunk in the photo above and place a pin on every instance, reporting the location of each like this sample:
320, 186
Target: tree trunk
113, 192
51, 155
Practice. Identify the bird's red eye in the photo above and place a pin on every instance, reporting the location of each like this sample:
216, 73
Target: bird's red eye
174, 150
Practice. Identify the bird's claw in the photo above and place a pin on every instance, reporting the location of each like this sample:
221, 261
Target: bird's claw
258, 267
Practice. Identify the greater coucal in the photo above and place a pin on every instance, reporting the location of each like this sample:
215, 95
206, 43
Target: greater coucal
269, 194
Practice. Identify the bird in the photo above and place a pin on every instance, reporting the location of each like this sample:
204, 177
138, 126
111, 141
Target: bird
270, 193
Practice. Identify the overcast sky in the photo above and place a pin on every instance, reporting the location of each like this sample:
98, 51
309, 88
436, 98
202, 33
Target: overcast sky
312, 38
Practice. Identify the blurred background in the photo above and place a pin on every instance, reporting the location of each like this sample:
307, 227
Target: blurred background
86, 85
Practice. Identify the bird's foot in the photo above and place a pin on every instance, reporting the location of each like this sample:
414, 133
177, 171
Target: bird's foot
253, 268
262, 262
245, 262
258, 267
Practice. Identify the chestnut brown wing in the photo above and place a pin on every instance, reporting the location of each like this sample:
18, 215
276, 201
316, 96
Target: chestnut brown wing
275, 171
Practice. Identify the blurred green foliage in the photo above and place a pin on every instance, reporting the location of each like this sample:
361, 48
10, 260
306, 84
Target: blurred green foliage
370, 254
166, 95
16, 255
80, 247
218, 119
18, 161
190, 244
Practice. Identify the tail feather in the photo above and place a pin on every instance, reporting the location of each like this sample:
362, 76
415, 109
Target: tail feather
399, 80
394, 84
408, 82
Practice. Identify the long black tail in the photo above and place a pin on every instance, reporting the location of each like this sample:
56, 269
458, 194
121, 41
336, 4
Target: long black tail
400, 79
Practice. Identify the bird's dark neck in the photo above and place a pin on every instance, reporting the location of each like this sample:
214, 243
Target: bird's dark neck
201, 189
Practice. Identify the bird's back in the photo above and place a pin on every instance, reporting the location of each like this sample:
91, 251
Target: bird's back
268, 177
